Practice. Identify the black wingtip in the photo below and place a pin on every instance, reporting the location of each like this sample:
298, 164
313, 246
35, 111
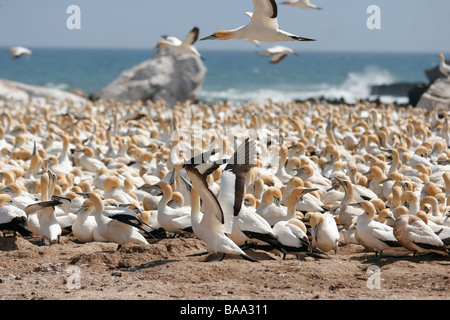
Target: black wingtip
246, 257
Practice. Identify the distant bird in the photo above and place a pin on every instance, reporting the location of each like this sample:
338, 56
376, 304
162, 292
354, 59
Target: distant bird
302, 4
443, 67
263, 26
183, 47
17, 52
277, 53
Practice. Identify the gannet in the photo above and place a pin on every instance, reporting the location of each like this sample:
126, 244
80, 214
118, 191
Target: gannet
263, 26
444, 67
248, 226
373, 235
49, 228
85, 224
291, 235
184, 47
17, 52
217, 218
277, 53
173, 220
325, 234
415, 235
11, 217
115, 224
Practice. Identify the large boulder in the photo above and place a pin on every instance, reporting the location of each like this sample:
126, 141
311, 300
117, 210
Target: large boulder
437, 96
20, 92
168, 75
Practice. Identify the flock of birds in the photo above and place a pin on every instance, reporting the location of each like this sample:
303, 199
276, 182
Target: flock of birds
295, 178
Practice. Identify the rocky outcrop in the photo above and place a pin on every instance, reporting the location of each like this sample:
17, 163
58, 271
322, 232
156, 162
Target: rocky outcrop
400, 89
168, 75
437, 96
16, 91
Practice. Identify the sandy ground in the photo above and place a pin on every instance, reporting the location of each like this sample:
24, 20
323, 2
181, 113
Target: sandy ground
163, 271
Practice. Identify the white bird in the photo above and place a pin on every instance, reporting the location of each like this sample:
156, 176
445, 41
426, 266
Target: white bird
443, 67
325, 233
11, 217
248, 227
263, 26
277, 53
173, 220
85, 224
302, 4
292, 237
373, 235
49, 228
184, 47
17, 52
115, 224
415, 235
212, 226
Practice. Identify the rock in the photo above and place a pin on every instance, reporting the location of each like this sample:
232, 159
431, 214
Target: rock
417, 92
437, 96
16, 91
400, 89
168, 75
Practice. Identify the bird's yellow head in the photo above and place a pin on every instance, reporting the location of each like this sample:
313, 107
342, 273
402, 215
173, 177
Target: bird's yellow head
220, 35
441, 56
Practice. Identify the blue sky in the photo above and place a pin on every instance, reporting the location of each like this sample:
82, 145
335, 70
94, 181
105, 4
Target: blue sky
406, 25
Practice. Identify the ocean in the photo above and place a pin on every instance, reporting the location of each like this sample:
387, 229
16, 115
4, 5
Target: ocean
232, 75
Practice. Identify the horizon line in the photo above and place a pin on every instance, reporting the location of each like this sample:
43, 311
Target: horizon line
233, 49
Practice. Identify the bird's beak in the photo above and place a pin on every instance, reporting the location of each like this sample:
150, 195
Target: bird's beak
308, 190
187, 183
83, 194
355, 204
211, 37
153, 187
390, 219
7, 189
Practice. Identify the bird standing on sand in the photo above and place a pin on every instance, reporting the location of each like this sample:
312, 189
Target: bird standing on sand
17, 52
263, 26
216, 220
415, 235
184, 47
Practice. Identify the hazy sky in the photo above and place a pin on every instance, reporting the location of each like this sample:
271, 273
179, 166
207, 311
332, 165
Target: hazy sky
406, 25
